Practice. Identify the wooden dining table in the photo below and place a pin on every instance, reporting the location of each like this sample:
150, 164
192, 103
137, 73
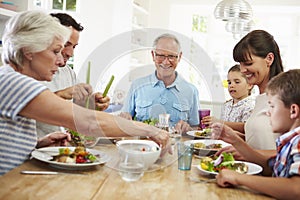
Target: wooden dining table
162, 181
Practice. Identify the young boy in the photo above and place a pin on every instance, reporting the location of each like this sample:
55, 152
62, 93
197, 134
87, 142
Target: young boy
284, 99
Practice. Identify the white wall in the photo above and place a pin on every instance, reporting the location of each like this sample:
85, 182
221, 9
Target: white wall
101, 19
104, 19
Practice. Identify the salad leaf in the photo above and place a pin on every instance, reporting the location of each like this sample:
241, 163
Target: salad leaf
224, 161
227, 157
150, 121
210, 166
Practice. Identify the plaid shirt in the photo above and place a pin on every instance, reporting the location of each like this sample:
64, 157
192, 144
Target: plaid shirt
287, 161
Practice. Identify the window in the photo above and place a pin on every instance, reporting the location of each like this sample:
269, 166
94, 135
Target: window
64, 5
199, 23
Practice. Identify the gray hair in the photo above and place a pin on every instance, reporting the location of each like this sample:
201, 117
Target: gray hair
167, 35
33, 30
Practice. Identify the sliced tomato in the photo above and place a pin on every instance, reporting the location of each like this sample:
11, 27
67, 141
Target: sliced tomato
80, 159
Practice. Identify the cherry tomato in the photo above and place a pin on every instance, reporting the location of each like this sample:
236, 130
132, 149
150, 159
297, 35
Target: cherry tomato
80, 159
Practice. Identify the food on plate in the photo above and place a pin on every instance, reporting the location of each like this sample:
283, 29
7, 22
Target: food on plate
79, 155
203, 133
75, 138
146, 149
150, 121
224, 161
201, 145
78, 139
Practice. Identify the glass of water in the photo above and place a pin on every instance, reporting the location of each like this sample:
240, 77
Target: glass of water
185, 155
175, 136
131, 166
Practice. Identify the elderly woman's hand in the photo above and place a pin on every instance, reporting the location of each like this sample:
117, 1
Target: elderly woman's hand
162, 138
54, 139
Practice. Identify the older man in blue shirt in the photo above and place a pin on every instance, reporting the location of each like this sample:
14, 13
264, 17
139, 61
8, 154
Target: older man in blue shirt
164, 91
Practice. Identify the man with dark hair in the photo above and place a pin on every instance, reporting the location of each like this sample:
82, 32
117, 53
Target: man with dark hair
67, 20
65, 83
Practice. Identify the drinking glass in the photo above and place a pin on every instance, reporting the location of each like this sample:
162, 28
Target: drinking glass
164, 121
175, 135
131, 166
185, 155
203, 113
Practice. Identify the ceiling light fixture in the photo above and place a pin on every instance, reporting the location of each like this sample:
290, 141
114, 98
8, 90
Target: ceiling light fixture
237, 14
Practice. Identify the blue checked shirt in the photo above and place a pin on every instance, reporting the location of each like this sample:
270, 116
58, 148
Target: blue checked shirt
287, 161
148, 97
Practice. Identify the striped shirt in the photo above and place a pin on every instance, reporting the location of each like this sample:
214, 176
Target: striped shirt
17, 134
287, 161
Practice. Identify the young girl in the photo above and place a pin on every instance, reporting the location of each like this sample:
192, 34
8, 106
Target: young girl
237, 109
260, 61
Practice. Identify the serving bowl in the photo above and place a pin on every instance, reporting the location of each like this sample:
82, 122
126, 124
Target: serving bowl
146, 150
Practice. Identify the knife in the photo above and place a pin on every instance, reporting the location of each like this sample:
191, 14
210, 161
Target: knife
48, 173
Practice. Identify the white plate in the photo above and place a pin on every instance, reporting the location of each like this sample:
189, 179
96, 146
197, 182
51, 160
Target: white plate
252, 168
42, 154
203, 151
192, 133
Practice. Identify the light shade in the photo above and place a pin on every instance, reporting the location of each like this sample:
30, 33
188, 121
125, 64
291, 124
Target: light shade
228, 10
239, 26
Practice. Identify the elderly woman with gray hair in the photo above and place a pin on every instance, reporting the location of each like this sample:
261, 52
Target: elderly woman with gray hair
32, 44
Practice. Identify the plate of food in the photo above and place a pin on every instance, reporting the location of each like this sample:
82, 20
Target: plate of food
70, 158
201, 134
206, 147
211, 166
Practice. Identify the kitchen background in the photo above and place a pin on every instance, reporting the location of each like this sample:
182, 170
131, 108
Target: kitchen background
118, 35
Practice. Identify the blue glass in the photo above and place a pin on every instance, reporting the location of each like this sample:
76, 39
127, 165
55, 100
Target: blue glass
185, 155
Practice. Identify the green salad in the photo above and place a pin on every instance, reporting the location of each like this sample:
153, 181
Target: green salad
224, 161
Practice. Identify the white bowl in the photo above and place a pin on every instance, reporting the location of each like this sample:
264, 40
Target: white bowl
148, 150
